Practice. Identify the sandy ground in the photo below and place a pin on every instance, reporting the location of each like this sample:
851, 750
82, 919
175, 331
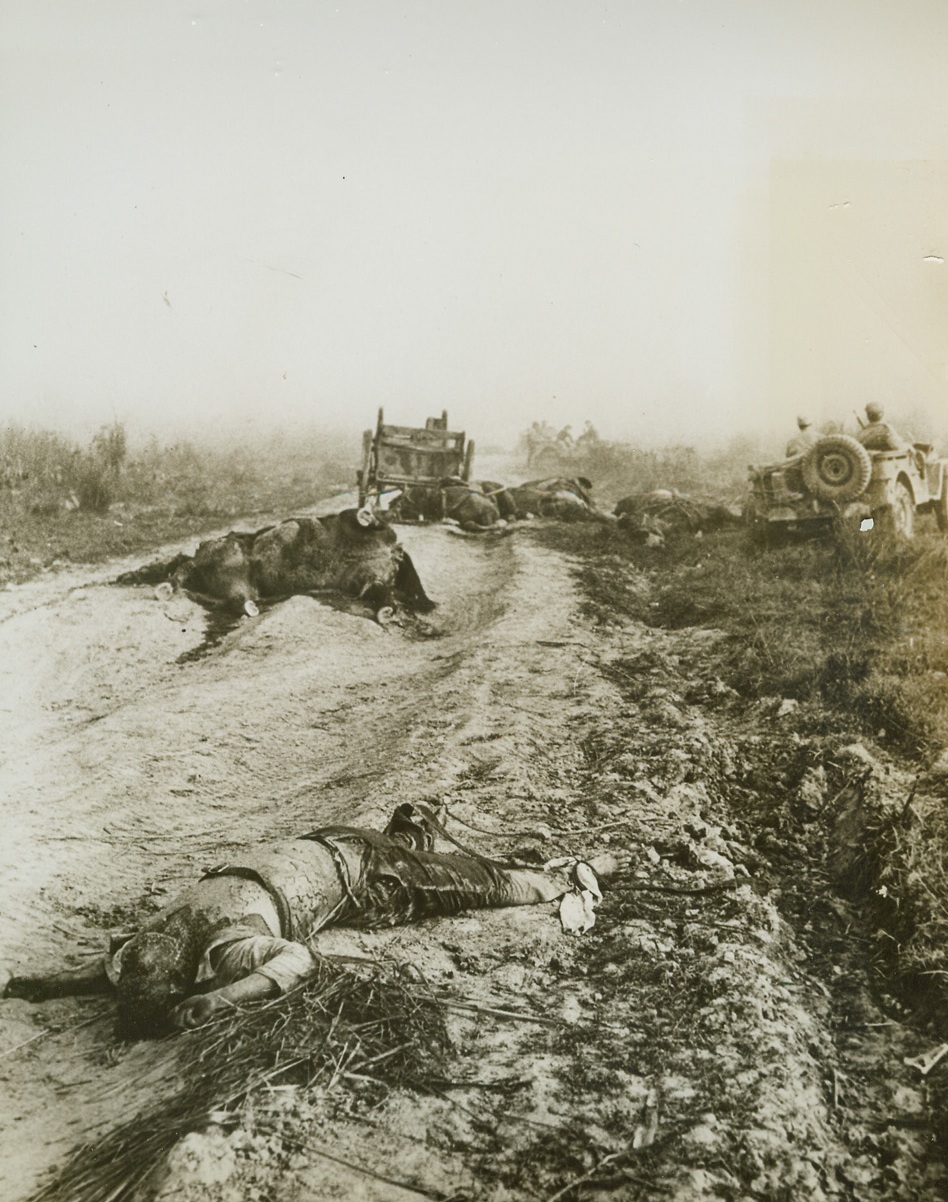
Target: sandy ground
131, 761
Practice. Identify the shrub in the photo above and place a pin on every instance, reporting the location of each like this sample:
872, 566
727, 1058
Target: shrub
93, 482
110, 446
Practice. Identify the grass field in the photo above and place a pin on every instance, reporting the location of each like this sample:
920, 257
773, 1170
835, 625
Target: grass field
62, 503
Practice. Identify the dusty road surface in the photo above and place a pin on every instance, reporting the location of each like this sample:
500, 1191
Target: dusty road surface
696, 1044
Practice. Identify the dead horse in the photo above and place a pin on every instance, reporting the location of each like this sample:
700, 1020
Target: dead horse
354, 552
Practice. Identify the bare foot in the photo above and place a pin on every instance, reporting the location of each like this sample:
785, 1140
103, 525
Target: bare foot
609, 863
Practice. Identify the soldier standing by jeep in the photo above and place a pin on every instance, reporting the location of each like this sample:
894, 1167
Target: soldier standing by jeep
878, 435
801, 442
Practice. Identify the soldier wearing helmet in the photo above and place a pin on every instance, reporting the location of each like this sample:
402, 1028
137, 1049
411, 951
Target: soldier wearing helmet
877, 434
801, 442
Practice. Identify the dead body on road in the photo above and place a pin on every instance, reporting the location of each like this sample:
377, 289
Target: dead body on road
245, 930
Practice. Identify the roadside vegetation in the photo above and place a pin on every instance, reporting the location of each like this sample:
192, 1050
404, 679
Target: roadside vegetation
617, 469
61, 502
844, 639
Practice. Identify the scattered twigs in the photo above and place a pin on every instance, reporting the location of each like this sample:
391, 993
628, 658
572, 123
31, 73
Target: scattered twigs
355, 1167
497, 1012
51, 1032
331, 1032
612, 1159
643, 1137
713, 887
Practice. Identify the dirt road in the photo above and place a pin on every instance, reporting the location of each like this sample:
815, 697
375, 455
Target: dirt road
696, 1048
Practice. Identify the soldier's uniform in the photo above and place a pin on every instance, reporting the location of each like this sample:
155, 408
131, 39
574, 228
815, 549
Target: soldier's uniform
260, 913
880, 436
800, 443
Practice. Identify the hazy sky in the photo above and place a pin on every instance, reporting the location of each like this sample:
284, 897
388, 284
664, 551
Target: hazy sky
675, 217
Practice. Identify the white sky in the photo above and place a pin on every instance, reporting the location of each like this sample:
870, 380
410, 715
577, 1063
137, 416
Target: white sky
678, 218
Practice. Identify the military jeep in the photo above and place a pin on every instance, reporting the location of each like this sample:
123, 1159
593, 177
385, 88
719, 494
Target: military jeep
838, 479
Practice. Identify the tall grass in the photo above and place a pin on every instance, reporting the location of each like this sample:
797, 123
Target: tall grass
63, 501
857, 623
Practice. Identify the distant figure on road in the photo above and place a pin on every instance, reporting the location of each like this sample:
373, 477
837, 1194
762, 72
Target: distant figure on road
565, 436
536, 437
878, 435
246, 930
801, 442
589, 435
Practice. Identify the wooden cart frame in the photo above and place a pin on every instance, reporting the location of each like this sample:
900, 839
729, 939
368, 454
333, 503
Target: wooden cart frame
398, 457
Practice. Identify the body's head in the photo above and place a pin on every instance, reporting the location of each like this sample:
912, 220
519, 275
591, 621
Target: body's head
803, 423
156, 971
874, 412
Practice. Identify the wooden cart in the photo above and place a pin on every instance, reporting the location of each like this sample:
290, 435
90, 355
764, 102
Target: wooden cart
398, 457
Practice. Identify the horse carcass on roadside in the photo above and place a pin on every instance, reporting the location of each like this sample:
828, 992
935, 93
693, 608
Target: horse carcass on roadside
475, 506
661, 512
567, 499
354, 552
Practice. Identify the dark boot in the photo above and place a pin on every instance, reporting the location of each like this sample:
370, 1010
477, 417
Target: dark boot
409, 827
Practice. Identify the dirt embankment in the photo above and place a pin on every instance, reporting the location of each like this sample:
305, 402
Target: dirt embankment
714, 1036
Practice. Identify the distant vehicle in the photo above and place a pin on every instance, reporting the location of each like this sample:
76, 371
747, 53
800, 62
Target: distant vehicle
838, 478
400, 457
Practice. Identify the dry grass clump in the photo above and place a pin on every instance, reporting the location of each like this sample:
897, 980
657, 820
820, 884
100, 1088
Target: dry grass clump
41, 471
364, 1031
889, 605
621, 469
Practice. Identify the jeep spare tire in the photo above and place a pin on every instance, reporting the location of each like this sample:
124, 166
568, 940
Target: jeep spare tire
837, 468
